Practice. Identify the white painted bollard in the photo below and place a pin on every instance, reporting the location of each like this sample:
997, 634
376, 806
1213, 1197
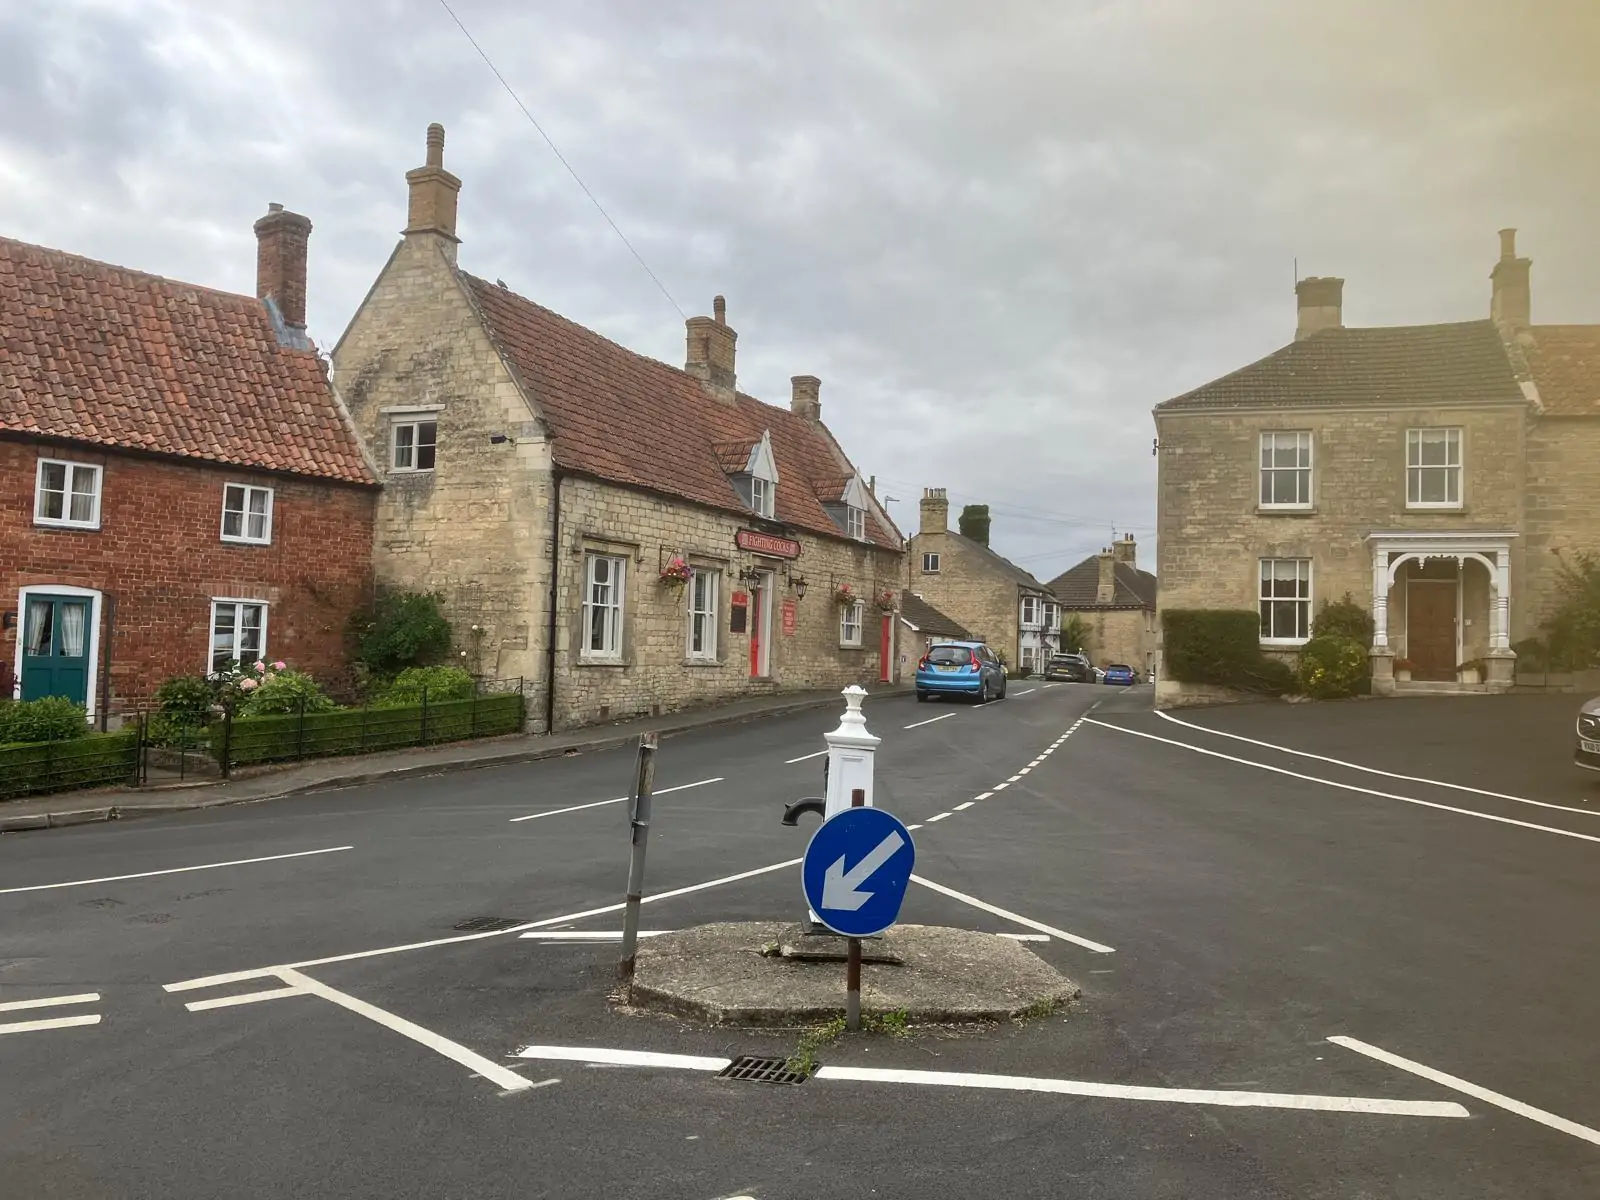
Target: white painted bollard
851, 750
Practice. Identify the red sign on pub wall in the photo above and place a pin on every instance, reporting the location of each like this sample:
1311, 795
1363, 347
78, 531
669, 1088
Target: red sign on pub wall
788, 618
765, 543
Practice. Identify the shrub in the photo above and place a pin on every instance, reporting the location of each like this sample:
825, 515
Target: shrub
402, 629
50, 719
1221, 647
1532, 655
282, 691
1573, 630
361, 731
1075, 634
87, 760
1343, 618
440, 683
1333, 666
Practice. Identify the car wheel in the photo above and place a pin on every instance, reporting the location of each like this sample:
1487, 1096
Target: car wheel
922, 697
1002, 689
983, 693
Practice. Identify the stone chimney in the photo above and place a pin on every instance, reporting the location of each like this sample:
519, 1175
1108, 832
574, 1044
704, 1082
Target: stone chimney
1126, 551
805, 400
1321, 303
711, 348
935, 511
1511, 301
1106, 591
432, 211
281, 239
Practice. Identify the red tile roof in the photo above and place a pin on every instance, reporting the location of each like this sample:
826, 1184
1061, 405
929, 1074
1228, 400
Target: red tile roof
1565, 361
101, 354
627, 419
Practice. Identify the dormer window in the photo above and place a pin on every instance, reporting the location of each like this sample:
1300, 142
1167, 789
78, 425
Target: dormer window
761, 496
856, 523
845, 500
753, 473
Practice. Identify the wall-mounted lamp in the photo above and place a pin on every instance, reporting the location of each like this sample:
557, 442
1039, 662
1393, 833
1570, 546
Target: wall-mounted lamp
798, 583
500, 439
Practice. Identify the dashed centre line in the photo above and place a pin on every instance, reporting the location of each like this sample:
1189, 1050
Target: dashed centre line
930, 721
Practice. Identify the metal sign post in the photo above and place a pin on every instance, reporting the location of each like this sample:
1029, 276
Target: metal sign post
852, 959
639, 824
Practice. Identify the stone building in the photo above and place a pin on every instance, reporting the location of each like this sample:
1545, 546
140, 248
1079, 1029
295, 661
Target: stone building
1432, 472
923, 626
627, 536
997, 600
179, 484
1117, 602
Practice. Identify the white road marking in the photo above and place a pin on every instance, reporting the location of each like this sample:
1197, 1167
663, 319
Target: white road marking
1350, 787
1025, 937
983, 795
911, 827
206, 981
1339, 762
930, 721
682, 787
804, 757
1123, 1091
604, 935
1000, 787
1583, 1132
244, 998
1024, 771
50, 1023
1027, 691
962, 807
508, 1080
238, 862
49, 1001
624, 1058
940, 817
1097, 947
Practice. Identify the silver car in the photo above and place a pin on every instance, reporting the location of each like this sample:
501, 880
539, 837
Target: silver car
1587, 752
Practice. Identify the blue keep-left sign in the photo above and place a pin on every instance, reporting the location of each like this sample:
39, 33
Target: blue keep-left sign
856, 870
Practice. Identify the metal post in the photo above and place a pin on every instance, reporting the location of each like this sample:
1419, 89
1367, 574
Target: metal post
852, 961
639, 821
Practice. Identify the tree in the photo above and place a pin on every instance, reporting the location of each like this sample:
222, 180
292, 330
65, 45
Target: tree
1573, 630
403, 629
1075, 633
974, 523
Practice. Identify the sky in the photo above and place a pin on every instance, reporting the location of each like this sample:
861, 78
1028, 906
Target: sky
1000, 232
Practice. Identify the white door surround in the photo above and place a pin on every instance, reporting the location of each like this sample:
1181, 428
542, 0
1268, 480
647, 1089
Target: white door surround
1391, 550
96, 610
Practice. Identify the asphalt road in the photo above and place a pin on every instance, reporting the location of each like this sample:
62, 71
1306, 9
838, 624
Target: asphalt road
1255, 903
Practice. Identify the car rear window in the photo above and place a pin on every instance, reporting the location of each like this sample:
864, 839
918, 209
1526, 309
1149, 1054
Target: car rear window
950, 654
1119, 667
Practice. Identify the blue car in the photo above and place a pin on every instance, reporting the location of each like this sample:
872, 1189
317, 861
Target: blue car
1120, 675
967, 669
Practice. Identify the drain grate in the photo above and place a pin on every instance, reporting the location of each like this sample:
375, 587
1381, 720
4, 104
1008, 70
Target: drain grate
487, 924
760, 1070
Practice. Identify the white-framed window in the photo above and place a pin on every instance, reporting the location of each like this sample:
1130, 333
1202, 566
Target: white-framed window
761, 496
246, 514
930, 564
1286, 469
604, 577
238, 633
1433, 468
704, 589
67, 493
856, 523
1285, 600
412, 445
1030, 610
1027, 658
850, 624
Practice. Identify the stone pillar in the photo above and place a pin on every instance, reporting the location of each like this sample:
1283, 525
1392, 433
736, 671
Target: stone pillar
1501, 661
1380, 600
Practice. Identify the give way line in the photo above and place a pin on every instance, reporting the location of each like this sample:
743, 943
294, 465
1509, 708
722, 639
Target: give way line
1350, 787
49, 1022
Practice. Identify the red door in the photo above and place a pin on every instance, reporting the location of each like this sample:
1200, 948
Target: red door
885, 649
757, 604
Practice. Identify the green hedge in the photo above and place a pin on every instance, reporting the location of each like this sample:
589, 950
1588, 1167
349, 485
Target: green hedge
1221, 647
94, 760
364, 730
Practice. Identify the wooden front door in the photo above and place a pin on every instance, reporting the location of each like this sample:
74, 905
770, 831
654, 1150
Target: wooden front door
886, 650
55, 647
1431, 630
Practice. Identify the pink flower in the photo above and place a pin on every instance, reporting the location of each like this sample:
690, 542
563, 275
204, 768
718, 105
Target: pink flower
280, 666
247, 685
258, 666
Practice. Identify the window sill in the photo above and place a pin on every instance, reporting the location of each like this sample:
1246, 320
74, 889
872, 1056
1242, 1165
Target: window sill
851, 646
1436, 508
231, 541
411, 470
585, 660
703, 663
81, 526
1285, 510
1284, 643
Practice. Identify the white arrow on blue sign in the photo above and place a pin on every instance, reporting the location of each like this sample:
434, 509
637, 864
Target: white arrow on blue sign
856, 870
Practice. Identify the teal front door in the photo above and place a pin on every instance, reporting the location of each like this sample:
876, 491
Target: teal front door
55, 647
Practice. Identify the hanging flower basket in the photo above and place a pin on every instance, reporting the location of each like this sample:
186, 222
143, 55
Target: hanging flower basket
844, 595
676, 573
886, 601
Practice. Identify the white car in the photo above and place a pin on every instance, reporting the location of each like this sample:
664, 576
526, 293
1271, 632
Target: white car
1587, 752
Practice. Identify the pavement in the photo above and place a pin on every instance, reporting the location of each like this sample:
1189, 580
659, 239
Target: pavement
1325, 951
254, 785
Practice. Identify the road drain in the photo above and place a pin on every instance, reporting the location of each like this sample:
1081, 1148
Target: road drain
487, 924
760, 1070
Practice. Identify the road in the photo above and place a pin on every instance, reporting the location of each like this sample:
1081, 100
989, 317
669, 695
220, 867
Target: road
278, 1000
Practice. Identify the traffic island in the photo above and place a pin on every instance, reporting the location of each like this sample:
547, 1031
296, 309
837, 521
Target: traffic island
769, 973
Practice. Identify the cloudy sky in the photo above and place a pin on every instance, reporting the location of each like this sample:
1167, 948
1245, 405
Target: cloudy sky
1000, 232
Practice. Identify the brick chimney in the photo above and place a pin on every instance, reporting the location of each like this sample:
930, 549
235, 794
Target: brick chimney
1126, 551
935, 511
281, 239
1106, 591
806, 398
1321, 304
432, 209
1511, 301
711, 352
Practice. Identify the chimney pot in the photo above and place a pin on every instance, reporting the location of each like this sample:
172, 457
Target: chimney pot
432, 208
281, 239
435, 145
719, 309
805, 397
1508, 243
1321, 305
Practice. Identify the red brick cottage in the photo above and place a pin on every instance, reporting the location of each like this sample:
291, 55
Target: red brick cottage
179, 483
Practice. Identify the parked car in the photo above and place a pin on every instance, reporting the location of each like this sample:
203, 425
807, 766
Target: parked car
1120, 675
1587, 752
1074, 668
961, 669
